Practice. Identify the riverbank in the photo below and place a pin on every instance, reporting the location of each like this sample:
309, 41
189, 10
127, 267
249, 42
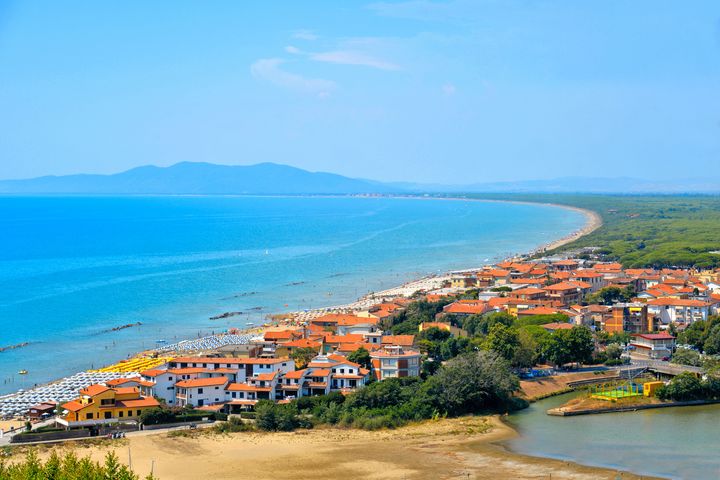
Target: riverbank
544, 387
468, 447
589, 406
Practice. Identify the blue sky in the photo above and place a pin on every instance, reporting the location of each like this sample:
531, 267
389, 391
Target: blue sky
433, 91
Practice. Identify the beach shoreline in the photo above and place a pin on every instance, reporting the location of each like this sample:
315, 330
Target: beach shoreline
466, 447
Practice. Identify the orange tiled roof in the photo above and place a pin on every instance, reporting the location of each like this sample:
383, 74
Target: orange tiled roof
93, 390
402, 340
138, 403
677, 302
202, 382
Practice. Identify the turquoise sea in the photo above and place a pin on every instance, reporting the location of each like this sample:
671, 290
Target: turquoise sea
71, 268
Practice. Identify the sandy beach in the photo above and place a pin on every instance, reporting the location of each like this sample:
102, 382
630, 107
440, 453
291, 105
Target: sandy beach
594, 221
468, 447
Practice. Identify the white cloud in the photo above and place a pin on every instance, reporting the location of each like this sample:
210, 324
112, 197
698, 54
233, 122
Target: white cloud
269, 69
305, 35
449, 89
348, 57
293, 50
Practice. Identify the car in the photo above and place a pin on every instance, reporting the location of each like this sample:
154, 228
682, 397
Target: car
665, 359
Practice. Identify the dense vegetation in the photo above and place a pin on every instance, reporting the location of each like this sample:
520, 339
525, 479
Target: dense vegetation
163, 415
523, 342
646, 231
469, 383
68, 467
703, 335
687, 387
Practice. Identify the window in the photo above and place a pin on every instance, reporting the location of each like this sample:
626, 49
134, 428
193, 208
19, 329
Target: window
89, 416
129, 413
120, 414
139, 412
216, 388
233, 395
200, 391
170, 379
108, 415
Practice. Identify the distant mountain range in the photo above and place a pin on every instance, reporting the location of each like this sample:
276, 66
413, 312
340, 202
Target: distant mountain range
200, 179
271, 178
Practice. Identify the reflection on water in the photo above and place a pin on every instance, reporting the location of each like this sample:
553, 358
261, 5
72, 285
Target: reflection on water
667, 442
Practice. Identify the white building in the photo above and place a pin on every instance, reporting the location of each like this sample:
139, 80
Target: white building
678, 310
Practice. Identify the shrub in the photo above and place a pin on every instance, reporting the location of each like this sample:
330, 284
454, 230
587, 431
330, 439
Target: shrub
683, 387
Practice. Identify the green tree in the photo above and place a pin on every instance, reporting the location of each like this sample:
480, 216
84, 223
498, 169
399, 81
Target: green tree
711, 346
683, 387
613, 351
557, 348
582, 344
489, 319
527, 352
685, 356
435, 334
303, 355
503, 340
611, 295
360, 356
472, 382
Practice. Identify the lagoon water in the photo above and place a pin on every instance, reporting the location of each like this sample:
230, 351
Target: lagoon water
71, 268
678, 442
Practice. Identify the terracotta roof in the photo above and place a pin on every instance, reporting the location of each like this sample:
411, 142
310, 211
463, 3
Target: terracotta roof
265, 361
302, 343
557, 326
138, 403
74, 406
187, 370
655, 336
266, 376
527, 291
456, 307
126, 390
563, 287
320, 372
350, 347
281, 335
332, 318
402, 340
202, 382
152, 372
240, 387
538, 311
296, 373
349, 338
93, 390
676, 302
121, 381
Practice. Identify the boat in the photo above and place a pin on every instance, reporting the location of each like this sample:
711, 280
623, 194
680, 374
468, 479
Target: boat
22, 372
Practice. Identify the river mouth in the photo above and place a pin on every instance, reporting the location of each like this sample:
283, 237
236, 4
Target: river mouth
677, 442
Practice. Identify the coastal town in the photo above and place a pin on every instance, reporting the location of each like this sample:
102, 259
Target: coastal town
633, 319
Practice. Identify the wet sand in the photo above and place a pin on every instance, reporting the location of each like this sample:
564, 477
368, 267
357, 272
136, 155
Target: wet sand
468, 448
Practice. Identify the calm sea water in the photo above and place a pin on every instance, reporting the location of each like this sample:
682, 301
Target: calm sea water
73, 267
667, 442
